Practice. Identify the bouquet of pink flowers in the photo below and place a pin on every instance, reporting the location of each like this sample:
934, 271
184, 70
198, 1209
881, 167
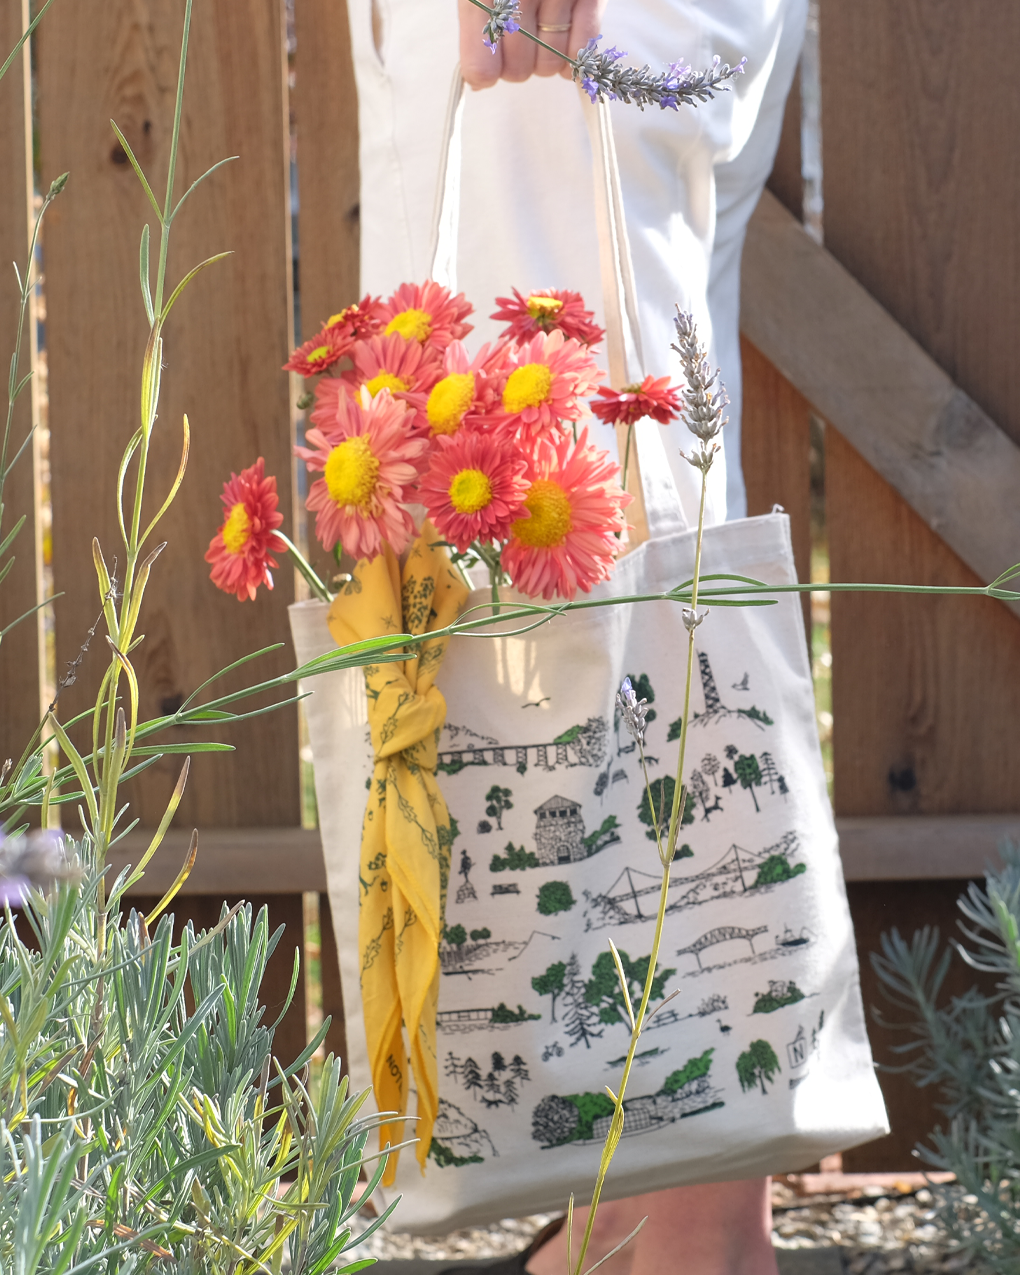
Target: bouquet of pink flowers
494, 447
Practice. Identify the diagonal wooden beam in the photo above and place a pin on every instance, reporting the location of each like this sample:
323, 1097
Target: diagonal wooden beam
872, 381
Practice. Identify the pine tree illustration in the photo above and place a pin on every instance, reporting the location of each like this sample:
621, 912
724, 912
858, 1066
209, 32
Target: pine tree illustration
579, 1019
519, 1069
509, 1092
498, 1063
783, 789
769, 771
452, 1066
710, 765
471, 1076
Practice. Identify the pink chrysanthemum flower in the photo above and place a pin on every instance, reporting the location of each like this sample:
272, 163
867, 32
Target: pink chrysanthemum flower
241, 551
368, 461
553, 374
576, 508
653, 397
474, 488
317, 354
550, 310
470, 392
392, 363
427, 313
358, 321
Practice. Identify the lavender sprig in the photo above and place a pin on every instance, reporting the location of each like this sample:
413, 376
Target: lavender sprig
602, 78
633, 711
705, 397
504, 19
36, 861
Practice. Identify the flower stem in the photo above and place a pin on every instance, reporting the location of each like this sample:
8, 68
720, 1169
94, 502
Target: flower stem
307, 570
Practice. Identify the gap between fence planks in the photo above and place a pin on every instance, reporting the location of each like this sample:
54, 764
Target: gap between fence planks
834, 342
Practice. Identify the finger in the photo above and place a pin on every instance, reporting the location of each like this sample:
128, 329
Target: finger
518, 50
479, 66
554, 26
585, 25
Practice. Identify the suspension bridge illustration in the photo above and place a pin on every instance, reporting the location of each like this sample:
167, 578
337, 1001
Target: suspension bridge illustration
633, 896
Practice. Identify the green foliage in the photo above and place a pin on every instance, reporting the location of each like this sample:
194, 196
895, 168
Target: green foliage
504, 1014
478, 935
756, 715
775, 869
514, 859
550, 984
568, 736
604, 836
589, 1107
446, 1159
675, 730
499, 802
662, 791
756, 1065
555, 897
766, 1003
693, 1069
188, 1140
604, 991
456, 935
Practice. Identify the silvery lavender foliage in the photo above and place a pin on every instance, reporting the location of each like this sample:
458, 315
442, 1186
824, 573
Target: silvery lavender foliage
705, 397
602, 78
504, 19
632, 710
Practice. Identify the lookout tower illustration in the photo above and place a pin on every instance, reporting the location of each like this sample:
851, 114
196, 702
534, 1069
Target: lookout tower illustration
559, 831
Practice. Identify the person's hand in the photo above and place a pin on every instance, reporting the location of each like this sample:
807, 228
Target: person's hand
567, 25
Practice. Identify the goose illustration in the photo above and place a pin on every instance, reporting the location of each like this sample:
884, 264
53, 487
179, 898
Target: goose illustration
724, 1027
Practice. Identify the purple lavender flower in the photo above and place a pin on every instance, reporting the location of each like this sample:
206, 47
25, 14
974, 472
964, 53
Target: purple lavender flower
603, 80
35, 861
504, 19
633, 710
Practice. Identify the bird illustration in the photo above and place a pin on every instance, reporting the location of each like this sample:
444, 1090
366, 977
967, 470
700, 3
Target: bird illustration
536, 703
742, 684
724, 1027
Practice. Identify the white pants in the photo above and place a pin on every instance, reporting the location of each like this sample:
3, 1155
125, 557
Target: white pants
690, 178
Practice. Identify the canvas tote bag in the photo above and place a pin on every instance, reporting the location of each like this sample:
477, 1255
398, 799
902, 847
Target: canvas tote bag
761, 1064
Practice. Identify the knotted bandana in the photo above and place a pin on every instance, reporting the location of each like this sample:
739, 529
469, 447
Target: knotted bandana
406, 835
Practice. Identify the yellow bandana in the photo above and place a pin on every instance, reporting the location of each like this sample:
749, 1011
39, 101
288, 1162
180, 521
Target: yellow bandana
405, 840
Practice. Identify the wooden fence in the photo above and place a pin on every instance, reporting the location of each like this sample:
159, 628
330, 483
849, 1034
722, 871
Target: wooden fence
919, 209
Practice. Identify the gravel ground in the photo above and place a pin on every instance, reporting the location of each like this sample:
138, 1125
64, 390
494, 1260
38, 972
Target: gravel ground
874, 1233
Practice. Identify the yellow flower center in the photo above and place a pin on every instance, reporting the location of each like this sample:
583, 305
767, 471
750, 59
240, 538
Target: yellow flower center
449, 400
470, 491
344, 314
412, 325
320, 353
550, 519
236, 529
527, 386
387, 381
544, 307
351, 472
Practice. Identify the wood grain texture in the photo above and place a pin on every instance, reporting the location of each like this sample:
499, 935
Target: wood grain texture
332, 992
268, 860
224, 346
326, 113
775, 444
867, 376
786, 181
925, 690
19, 651
204, 912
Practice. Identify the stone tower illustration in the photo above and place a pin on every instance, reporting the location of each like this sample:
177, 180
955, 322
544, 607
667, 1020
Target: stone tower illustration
559, 831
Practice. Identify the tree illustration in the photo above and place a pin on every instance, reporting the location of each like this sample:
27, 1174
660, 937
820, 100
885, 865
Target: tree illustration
603, 988
550, 984
776, 869
515, 859
554, 1121
699, 787
509, 1092
728, 780
498, 1062
580, 1018
756, 1065
769, 771
783, 789
493, 1096
471, 1077
477, 936
456, 935
710, 765
662, 791
643, 690
731, 752
675, 730
519, 1069
499, 802
748, 772
555, 897
452, 1066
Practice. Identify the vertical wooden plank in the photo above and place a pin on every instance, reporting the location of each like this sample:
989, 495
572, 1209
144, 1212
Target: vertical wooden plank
326, 111
204, 911
920, 207
776, 453
926, 692
19, 650
225, 343
786, 180
332, 993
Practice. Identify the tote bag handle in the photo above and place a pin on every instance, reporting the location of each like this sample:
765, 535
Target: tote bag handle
656, 510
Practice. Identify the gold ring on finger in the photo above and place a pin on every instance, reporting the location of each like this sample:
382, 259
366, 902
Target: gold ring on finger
559, 28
